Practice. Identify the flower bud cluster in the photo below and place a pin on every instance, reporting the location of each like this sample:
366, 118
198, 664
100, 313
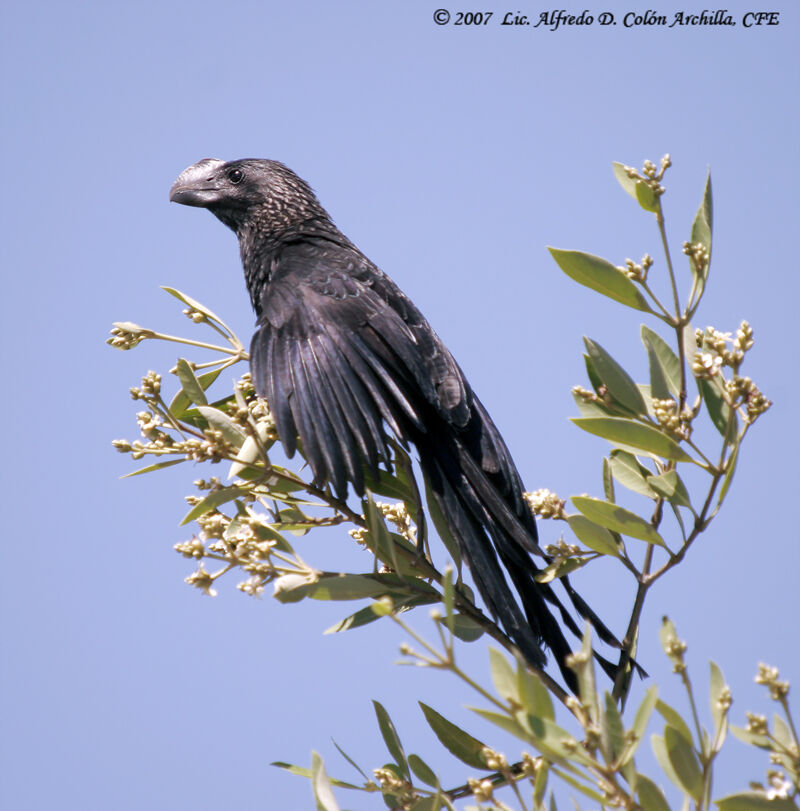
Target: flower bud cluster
698, 256
481, 789
531, 764
731, 350
392, 784
675, 649
562, 549
780, 788
705, 365
743, 392
768, 676
496, 761
757, 724
720, 349
637, 272
666, 412
195, 315
546, 504
651, 174
397, 514
127, 336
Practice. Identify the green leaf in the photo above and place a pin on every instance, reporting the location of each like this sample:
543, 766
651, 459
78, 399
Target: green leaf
591, 793
718, 713
701, 232
616, 380
559, 568
503, 676
646, 196
250, 451
704, 219
540, 785
651, 798
608, 481
404, 470
430, 803
302, 772
550, 739
151, 468
671, 487
449, 597
612, 730
600, 275
597, 538
616, 518
643, 713
221, 422
726, 482
465, 628
584, 670
754, 801
591, 373
189, 383
350, 760
533, 695
215, 499
391, 548
674, 719
751, 738
442, 527
781, 732
684, 762
723, 417
621, 430
459, 743
660, 751
589, 409
320, 782
391, 738
359, 586
423, 771
361, 617
181, 401
389, 486
668, 366
291, 588
194, 304
631, 473
627, 183
505, 722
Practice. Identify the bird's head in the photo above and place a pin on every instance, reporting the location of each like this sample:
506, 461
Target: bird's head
245, 192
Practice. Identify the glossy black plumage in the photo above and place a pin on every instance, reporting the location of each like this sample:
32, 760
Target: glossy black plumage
340, 354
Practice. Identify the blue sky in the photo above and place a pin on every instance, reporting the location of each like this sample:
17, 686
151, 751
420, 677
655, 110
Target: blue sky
452, 156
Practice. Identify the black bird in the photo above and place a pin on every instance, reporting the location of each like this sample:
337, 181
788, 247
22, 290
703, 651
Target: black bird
341, 353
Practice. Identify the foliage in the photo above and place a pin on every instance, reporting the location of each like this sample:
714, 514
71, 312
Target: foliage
660, 452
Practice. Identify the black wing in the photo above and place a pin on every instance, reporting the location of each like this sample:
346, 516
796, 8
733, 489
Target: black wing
340, 353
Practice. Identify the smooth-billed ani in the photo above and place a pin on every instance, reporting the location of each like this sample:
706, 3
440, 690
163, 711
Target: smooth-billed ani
340, 354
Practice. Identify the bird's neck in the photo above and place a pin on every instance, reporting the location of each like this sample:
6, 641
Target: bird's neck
259, 246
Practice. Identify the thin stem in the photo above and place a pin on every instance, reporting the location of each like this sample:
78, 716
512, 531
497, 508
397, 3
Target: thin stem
240, 353
622, 682
785, 704
663, 232
688, 685
700, 524
678, 321
668, 317
709, 465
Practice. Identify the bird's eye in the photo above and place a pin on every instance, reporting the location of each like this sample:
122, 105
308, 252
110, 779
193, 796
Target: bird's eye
235, 175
